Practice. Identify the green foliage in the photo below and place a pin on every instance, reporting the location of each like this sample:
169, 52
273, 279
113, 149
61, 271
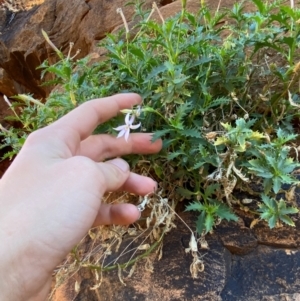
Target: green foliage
274, 211
210, 210
220, 89
274, 167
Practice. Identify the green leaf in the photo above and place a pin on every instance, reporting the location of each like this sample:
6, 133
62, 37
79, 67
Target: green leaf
160, 133
221, 140
180, 79
137, 52
260, 5
289, 41
198, 165
191, 133
289, 166
272, 221
169, 66
195, 206
269, 202
218, 102
289, 210
259, 169
224, 212
155, 72
159, 171
209, 222
185, 192
287, 220
172, 156
287, 179
226, 126
267, 185
209, 190
200, 222
266, 215
276, 184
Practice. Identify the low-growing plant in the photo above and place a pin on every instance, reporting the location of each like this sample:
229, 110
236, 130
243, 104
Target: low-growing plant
220, 89
276, 211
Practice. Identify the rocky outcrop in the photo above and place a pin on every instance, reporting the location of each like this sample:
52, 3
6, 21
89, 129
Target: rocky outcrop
23, 48
85, 23
238, 266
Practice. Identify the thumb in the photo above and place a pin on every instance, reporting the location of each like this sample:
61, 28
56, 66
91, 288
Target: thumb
115, 173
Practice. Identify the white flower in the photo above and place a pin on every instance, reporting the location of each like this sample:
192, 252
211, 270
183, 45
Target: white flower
124, 130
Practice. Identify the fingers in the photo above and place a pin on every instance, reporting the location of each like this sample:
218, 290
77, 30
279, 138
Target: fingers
102, 147
116, 176
138, 184
78, 124
118, 214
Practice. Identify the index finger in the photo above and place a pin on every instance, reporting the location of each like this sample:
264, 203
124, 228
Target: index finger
83, 120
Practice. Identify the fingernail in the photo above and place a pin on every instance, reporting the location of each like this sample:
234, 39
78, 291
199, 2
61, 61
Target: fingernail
123, 165
140, 212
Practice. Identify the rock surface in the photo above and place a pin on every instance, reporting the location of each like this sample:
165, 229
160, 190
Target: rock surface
23, 48
237, 267
85, 23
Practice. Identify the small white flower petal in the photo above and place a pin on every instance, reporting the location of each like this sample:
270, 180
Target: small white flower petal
131, 121
135, 126
120, 128
122, 133
127, 118
127, 134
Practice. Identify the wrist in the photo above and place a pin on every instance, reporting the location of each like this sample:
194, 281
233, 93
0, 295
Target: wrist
22, 270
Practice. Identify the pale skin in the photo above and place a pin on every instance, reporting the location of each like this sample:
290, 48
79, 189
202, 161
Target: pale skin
51, 194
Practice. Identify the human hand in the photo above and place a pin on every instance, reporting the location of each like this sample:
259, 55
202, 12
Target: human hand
51, 194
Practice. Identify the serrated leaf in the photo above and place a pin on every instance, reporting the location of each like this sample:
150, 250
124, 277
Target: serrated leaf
268, 201
218, 102
257, 135
259, 169
198, 165
195, 206
221, 141
224, 212
287, 220
226, 126
174, 155
136, 52
289, 210
185, 192
160, 133
288, 180
155, 72
289, 167
191, 133
209, 190
183, 110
